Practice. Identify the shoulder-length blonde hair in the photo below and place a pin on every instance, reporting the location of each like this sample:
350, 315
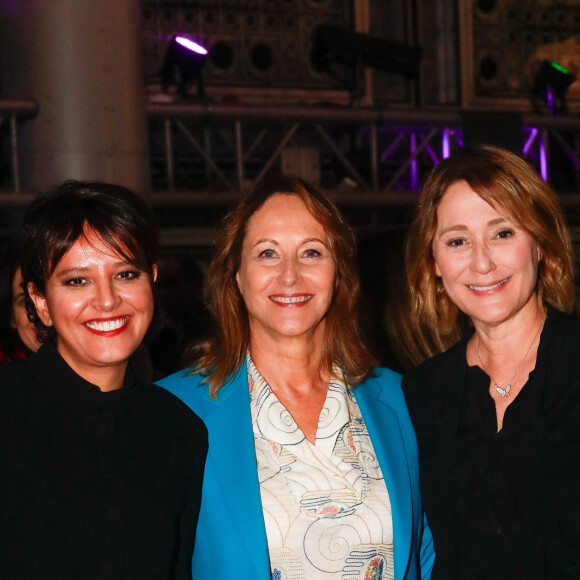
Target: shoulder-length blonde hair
222, 354
514, 190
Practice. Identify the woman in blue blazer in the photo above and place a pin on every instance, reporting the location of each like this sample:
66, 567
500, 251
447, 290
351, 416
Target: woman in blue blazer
312, 465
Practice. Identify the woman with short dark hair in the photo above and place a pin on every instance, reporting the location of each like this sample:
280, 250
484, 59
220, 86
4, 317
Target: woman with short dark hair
101, 471
312, 467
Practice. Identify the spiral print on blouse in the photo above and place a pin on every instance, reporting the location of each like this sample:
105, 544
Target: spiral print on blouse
326, 509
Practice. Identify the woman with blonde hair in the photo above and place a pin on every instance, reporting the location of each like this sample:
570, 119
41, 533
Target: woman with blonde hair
312, 464
495, 410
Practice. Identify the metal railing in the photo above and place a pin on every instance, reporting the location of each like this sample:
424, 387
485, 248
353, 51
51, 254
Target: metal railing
200, 148
211, 151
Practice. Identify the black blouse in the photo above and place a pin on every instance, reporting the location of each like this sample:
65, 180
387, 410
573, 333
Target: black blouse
95, 484
502, 505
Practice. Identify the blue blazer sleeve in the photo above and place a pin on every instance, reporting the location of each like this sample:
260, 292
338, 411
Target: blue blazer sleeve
231, 537
384, 411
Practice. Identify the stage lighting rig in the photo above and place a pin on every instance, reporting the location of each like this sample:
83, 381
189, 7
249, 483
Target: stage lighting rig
550, 86
333, 46
182, 65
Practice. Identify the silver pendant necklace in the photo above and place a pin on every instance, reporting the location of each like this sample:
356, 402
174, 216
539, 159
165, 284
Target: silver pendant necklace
505, 392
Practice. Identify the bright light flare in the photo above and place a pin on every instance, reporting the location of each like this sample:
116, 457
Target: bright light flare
190, 45
560, 68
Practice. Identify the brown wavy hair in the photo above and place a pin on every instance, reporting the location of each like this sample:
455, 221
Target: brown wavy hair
514, 190
222, 354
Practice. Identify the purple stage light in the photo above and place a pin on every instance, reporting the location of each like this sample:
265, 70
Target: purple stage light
550, 100
543, 159
445, 144
414, 163
183, 63
190, 45
530, 140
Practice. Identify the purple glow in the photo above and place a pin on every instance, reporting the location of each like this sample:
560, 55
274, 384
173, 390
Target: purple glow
432, 154
445, 144
414, 163
543, 161
190, 45
387, 152
550, 99
13, 8
530, 140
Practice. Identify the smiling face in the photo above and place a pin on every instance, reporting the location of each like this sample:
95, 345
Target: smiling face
100, 307
488, 266
287, 272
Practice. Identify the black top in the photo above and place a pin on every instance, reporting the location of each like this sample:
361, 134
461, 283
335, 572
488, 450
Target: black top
95, 484
502, 505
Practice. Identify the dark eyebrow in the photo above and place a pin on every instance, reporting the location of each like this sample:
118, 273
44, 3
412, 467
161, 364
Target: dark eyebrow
82, 269
67, 271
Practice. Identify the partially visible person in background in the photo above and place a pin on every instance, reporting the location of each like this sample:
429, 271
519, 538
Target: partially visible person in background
312, 467
497, 410
101, 470
180, 314
17, 334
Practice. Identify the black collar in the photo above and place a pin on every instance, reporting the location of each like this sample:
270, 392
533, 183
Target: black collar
49, 371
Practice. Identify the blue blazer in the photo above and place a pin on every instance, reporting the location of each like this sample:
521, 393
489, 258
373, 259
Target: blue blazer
231, 537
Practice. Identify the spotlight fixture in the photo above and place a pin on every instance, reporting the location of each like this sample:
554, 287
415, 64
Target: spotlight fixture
183, 63
332, 45
550, 86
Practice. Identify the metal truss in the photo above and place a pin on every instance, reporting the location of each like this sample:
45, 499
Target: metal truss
369, 154
203, 152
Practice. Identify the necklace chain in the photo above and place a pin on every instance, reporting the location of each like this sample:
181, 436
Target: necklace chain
505, 392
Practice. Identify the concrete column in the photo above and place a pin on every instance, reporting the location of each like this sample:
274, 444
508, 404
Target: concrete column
81, 60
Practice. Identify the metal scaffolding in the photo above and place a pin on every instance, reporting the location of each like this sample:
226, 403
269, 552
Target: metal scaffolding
211, 150
206, 154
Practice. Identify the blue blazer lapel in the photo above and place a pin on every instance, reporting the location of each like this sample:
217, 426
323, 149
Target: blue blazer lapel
384, 429
234, 463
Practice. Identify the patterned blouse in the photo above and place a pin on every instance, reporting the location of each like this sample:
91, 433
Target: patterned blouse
326, 507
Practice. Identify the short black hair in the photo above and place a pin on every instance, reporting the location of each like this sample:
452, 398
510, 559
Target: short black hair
55, 220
